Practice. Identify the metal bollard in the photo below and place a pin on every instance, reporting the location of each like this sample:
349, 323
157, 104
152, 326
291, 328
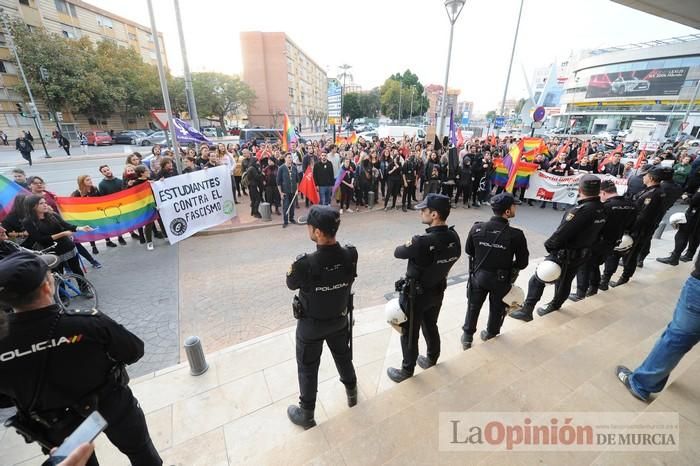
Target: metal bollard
266, 211
660, 231
195, 355
371, 199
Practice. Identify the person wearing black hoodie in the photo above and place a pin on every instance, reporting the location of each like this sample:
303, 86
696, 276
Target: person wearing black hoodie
254, 176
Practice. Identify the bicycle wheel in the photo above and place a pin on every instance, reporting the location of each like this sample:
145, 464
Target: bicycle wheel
75, 292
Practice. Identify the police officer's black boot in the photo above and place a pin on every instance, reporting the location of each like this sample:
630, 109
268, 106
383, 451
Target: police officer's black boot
578, 296
670, 260
485, 335
466, 341
604, 283
549, 307
524, 313
621, 281
351, 393
398, 375
591, 291
686, 257
301, 417
425, 362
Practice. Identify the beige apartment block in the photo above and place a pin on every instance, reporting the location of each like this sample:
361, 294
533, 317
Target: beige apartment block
285, 80
72, 19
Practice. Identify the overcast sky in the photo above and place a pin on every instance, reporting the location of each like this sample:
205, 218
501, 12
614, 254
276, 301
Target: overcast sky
380, 37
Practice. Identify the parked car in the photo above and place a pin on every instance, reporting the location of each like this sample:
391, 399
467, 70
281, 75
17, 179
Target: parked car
235, 131
130, 137
98, 138
608, 135
157, 137
209, 132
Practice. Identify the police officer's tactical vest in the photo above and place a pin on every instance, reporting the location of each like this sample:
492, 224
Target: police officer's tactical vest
444, 250
326, 295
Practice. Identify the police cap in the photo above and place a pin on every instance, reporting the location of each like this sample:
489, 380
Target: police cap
504, 201
21, 273
325, 218
589, 185
608, 186
437, 202
661, 173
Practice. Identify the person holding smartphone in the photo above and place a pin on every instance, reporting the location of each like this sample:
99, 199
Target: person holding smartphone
59, 366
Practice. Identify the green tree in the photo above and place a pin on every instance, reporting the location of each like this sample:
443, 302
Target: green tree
402, 90
491, 114
219, 95
351, 105
519, 106
370, 103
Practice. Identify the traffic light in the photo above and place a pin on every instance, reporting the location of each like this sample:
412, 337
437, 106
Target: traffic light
20, 108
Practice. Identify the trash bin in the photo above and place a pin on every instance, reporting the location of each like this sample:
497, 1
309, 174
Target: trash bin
195, 355
265, 211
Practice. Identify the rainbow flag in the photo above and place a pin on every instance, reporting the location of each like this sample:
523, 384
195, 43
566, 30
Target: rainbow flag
511, 172
110, 215
288, 134
350, 139
533, 146
8, 191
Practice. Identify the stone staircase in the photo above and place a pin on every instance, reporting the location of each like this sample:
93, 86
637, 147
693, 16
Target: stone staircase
235, 412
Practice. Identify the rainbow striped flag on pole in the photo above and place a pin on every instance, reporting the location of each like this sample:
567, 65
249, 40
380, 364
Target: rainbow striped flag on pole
288, 134
8, 191
511, 172
110, 215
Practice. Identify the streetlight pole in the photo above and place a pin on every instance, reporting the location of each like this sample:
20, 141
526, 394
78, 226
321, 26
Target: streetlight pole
453, 8
164, 88
413, 89
400, 92
687, 111
510, 65
189, 90
345, 68
35, 114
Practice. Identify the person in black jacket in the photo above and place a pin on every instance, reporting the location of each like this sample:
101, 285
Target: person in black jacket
46, 228
287, 185
570, 246
464, 181
254, 176
497, 252
614, 167
110, 184
689, 232
24, 145
394, 177
80, 367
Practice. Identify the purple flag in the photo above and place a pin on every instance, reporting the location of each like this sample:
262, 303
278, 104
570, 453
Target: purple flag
339, 179
186, 134
453, 128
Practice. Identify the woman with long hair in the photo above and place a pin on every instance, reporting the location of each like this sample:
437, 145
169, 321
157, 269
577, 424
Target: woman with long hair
12, 223
87, 189
46, 228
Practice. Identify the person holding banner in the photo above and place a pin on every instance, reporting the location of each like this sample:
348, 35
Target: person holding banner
569, 247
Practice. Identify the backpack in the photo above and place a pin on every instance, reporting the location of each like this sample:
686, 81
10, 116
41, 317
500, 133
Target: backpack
244, 180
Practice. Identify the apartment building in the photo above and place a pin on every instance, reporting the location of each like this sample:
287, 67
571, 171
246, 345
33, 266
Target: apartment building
72, 19
285, 80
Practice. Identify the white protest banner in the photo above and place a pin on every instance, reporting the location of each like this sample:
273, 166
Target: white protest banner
563, 189
194, 201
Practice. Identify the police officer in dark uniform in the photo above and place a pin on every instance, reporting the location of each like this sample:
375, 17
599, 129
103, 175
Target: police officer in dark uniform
323, 308
650, 210
672, 192
620, 214
569, 246
57, 367
408, 177
430, 258
688, 233
497, 253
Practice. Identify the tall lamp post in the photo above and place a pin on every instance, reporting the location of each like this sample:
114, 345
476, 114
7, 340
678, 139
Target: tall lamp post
510, 66
345, 68
453, 8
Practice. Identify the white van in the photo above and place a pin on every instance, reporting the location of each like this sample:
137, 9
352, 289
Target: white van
398, 132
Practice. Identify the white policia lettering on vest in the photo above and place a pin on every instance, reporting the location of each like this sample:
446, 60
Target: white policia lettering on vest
331, 288
41, 346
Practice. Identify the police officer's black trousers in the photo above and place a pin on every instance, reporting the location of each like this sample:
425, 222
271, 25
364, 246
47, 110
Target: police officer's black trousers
588, 275
409, 192
640, 243
311, 334
688, 234
426, 312
562, 287
485, 283
127, 429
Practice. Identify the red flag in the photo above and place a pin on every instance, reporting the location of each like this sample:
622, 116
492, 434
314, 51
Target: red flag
460, 137
583, 151
641, 159
564, 149
608, 158
307, 187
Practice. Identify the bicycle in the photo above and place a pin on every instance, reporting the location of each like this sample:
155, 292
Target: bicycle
72, 291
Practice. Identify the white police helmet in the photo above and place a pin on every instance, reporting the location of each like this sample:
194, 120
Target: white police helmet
677, 219
394, 314
514, 298
625, 244
548, 272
